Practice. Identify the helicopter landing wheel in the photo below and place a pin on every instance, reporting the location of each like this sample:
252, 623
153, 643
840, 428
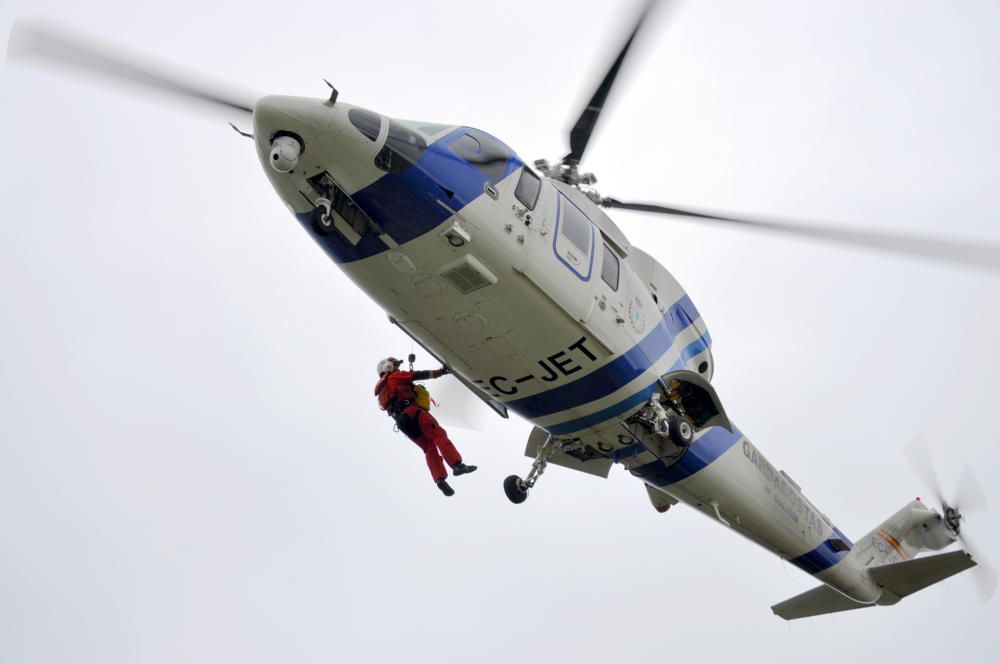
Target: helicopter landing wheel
682, 431
515, 489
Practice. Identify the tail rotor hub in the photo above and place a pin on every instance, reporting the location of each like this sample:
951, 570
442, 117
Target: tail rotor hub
953, 519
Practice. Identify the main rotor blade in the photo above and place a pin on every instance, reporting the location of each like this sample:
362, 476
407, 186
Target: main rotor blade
44, 42
979, 254
458, 407
579, 136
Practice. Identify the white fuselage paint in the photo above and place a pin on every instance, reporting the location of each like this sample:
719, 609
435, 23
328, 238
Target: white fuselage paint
541, 319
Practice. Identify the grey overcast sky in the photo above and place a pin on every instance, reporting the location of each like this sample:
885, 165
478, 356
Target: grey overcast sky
192, 466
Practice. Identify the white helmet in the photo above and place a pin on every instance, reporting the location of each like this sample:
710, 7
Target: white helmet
388, 364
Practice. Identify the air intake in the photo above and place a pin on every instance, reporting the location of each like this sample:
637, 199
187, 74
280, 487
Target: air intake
467, 275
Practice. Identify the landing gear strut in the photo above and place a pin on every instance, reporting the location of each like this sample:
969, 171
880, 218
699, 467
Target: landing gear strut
516, 488
668, 421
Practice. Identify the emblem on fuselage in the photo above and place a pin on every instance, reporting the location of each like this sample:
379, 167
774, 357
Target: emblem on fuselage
636, 316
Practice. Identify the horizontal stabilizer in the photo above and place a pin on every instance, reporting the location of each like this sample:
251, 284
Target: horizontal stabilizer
906, 578
897, 580
815, 602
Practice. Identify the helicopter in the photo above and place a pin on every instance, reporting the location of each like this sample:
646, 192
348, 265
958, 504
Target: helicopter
518, 280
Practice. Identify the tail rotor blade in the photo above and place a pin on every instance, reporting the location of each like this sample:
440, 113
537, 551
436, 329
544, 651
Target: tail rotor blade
36, 41
986, 580
919, 457
984, 573
970, 497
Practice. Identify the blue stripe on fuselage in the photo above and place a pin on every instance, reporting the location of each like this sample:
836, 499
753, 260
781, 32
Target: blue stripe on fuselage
698, 346
405, 205
823, 556
602, 415
615, 374
712, 444
339, 249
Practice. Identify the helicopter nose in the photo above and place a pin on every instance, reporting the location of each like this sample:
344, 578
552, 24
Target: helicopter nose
276, 113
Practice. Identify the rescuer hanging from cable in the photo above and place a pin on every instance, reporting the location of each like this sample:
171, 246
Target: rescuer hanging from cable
403, 401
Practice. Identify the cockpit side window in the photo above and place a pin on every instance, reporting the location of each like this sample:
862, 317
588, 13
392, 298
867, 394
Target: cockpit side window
403, 148
484, 152
368, 123
528, 186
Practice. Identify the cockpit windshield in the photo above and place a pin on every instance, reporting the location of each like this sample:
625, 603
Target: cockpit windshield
403, 148
431, 129
368, 123
484, 152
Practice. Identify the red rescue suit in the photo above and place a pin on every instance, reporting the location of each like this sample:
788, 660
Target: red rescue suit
396, 396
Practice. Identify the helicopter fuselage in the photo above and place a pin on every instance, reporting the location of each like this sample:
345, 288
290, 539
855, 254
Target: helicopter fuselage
532, 295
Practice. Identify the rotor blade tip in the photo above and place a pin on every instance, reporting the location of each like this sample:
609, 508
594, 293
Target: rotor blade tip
15, 42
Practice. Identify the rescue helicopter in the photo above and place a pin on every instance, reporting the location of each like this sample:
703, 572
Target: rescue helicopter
514, 276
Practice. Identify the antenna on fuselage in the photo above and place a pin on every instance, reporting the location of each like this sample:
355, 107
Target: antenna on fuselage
333, 92
239, 131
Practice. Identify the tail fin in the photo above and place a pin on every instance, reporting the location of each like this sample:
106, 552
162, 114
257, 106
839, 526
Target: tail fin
896, 579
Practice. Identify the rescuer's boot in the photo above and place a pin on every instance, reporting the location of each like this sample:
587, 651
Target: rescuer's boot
445, 489
461, 469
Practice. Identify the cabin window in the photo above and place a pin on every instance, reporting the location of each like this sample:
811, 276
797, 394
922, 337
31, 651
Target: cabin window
610, 268
527, 188
576, 228
403, 148
574, 239
368, 123
484, 152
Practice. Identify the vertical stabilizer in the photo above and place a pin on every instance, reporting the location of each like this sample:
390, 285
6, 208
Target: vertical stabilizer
912, 529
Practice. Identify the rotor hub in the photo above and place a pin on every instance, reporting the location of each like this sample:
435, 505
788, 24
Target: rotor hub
953, 519
568, 171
